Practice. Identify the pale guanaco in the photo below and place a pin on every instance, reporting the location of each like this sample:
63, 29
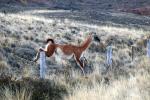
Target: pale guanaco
67, 51
140, 43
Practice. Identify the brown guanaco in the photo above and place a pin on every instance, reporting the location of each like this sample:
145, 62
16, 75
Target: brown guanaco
66, 51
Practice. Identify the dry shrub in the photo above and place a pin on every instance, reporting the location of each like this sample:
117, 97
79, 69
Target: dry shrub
4, 69
1, 55
3, 65
22, 94
36, 89
132, 88
143, 64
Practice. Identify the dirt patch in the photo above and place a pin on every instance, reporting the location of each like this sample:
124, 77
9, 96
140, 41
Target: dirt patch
139, 11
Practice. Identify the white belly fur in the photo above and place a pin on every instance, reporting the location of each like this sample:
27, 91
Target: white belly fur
61, 55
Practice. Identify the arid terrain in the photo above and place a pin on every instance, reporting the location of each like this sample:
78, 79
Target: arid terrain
25, 26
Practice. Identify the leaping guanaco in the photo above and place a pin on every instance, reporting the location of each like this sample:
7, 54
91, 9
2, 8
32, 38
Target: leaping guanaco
67, 51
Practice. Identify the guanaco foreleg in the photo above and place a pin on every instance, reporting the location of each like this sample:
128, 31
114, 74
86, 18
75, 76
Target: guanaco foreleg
38, 54
80, 64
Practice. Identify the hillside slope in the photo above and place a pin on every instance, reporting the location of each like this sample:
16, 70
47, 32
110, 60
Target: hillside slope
24, 28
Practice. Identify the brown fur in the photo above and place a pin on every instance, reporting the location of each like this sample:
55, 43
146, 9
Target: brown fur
69, 49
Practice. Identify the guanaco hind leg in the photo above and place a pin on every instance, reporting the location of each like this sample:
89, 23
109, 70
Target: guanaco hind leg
80, 64
83, 60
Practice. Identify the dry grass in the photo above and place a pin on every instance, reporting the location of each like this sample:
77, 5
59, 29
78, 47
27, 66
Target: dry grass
122, 89
3, 65
121, 83
4, 69
135, 87
22, 94
30, 89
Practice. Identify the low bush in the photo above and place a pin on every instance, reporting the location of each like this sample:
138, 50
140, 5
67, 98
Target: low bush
40, 89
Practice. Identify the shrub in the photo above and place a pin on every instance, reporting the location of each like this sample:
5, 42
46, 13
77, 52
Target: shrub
26, 53
22, 94
4, 69
39, 89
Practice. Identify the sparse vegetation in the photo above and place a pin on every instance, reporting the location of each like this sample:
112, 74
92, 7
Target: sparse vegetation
27, 89
24, 28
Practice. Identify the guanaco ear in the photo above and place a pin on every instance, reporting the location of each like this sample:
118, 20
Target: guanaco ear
96, 38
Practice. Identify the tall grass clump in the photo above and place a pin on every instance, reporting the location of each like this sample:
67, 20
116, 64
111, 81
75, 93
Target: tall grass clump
134, 87
31, 89
22, 94
4, 68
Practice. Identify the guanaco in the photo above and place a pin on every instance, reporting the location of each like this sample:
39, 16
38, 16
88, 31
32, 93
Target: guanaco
67, 51
140, 43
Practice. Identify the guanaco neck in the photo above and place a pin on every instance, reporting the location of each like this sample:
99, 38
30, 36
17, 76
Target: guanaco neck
86, 43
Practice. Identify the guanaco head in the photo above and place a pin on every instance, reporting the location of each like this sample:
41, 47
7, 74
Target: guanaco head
95, 37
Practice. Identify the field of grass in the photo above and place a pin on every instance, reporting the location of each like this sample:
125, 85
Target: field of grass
24, 30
